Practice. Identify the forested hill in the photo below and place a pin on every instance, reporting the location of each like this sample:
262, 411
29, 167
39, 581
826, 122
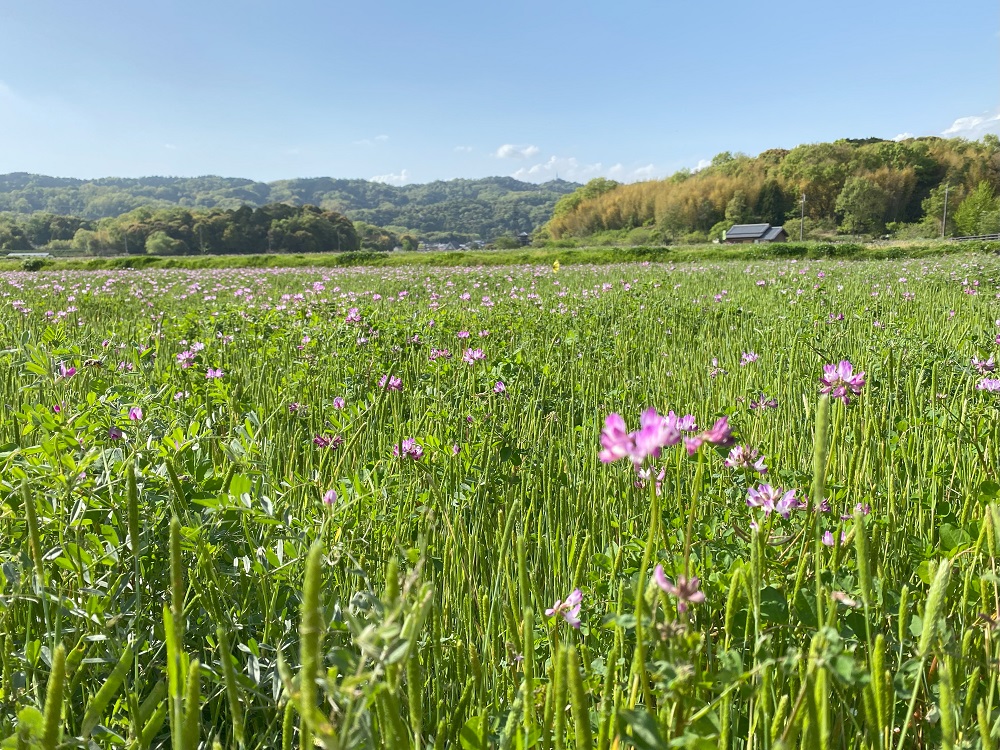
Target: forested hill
485, 207
870, 187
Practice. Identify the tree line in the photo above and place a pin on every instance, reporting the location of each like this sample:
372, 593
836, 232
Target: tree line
179, 231
869, 187
458, 210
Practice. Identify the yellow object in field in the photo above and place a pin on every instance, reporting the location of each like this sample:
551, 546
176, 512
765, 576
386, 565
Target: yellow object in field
555, 267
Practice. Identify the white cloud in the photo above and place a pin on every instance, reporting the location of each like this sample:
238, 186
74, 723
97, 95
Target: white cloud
393, 179
510, 151
702, 164
170, 146
371, 141
903, 137
463, 149
975, 126
570, 168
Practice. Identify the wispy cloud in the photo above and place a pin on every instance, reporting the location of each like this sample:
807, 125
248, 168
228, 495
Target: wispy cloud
511, 151
371, 141
463, 149
702, 164
572, 169
975, 126
903, 137
393, 179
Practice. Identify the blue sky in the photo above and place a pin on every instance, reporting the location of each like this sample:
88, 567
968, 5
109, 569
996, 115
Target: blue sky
411, 92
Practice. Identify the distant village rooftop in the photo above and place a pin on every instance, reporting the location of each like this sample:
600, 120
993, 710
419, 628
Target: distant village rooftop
744, 233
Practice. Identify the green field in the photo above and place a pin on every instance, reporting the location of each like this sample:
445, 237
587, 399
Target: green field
226, 522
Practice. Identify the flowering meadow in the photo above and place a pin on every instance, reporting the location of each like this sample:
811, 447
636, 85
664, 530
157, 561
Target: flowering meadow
642, 505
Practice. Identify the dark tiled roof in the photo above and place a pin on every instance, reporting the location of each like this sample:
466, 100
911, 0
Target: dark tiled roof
772, 233
747, 231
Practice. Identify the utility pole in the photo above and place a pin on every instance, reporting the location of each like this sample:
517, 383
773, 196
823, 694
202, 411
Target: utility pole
944, 217
802, 218
125, 235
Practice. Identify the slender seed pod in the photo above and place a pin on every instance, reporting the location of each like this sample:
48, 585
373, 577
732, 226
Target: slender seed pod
821, 450
391, 582
877, 669
458, 717
177, 580
52, 719
946, 705
95, 709
441, 735
934, 608
903, 618
191, 732
778, 722
414, 688
34, 534
288, 726
559, 700
523, 587
232, 687
983, 719
578, 699
732, 601
509, 732
152, 701
133, 516
153, 726
607, 698
310, 640
864, 564
528, 664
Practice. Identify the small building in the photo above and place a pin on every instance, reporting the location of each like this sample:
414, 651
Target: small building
524, 238
754, 233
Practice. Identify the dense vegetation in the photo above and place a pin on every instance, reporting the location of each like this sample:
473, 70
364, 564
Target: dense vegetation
398, 508
179, 231
866, 187
453, 209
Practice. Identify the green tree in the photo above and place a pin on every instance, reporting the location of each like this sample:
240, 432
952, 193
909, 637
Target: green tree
738, 209
161, 243
862, 205
979, 213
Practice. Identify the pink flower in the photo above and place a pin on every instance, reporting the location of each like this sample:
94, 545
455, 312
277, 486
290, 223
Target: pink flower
655, 433
353, 316
330, 497
747, 358
213, 374
500, 387
982, 366
66, 372
773, 499
409, 448
114, 433
764, 403
616, 440
719, 434
338, 402
391, 383
471, 356
744, 457
686, 591
463, 334
988, 384
569, 609
840, 381
294, 407
455, 449
185, 358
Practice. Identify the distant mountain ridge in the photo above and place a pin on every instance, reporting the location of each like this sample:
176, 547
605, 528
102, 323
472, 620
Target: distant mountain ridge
485, 207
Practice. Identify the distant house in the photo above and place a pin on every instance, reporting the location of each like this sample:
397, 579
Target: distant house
524, 238
754, 233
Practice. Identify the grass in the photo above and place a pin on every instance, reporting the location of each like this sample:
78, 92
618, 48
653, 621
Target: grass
248, 560
541, 255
